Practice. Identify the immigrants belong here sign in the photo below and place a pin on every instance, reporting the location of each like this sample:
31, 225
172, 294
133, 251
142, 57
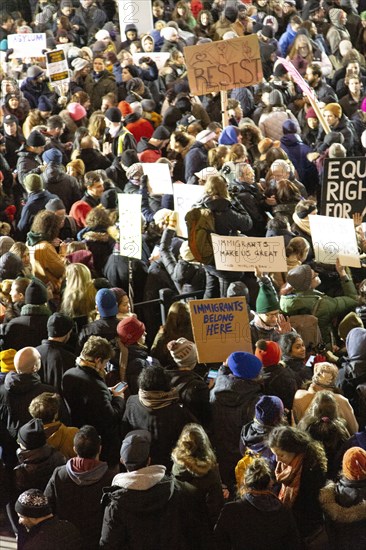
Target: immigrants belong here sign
344, 187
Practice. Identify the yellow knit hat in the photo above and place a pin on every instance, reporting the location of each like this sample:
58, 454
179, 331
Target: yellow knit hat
7, 360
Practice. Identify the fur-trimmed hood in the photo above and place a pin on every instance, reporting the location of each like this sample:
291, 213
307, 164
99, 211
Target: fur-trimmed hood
339, 513
195, 466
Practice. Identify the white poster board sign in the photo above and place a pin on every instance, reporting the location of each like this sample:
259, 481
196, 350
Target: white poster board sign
29, 44
334, 238
185, 196
136, 12
130, 241
160, 58
159, 178
246, 253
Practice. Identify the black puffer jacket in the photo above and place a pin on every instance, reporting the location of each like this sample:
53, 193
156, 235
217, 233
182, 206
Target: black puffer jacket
227, 220
28, 163
193, 393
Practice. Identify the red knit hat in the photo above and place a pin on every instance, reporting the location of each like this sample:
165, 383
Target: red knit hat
268, 352
125, 108
310, 113
130, 330
354, 463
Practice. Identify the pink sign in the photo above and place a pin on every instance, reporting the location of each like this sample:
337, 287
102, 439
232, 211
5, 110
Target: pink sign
303, 85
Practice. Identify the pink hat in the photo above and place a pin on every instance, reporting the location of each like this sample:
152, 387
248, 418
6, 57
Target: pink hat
76, 111
363, 105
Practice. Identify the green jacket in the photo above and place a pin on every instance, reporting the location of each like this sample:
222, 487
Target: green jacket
325, 308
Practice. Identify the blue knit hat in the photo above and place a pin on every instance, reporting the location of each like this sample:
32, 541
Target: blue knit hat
106, 303
244, 365
269, 410
52, 155
44, 104
229, 136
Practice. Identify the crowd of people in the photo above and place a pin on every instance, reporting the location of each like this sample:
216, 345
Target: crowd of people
112, 433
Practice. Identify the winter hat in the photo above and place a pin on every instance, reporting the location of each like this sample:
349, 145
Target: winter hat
275, 99
348, 323
289, 127
237, 288
36, 139
334, 15
231, 13
10, 266
113, 114
81, 257
267, 31
55, 204
109, 199
279, 71
52, 155
66, 4
34, 72
267, 300
102, 35
44, 104
162, 133
7, 360
36, 293
125, 108
300, 277
229, 136
59, 325
333, 137
268, 352
183, 352
135, 449
129, 157
269, 410
78, 64
354, 464
33, 183
130, 330
185, 252
33, 504
334, 108
205, 136
135, 171
32, 435
98, 47
356, 344
310, 113
363, 104
148, 105
168, 33
106, 303
171, 117
76, 111
5, 244
325, 375
244, 365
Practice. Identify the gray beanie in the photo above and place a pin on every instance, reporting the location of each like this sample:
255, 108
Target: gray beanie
300, 277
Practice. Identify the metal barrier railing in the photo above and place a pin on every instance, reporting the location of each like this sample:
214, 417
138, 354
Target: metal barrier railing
166, 297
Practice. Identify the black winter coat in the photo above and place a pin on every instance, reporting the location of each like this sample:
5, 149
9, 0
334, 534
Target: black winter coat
227, 221
280, 381
195, 160
165, 426
105, 327
55, 361
59, 183
137, 361
16, 395
253, 201
36, 467
66, 492
51, 533
193, 393
91, 402
28, 163
29, 329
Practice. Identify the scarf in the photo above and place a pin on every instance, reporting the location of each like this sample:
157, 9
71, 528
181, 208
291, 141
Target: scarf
289, 476
82, 362
158, 399
261, 324
304, 224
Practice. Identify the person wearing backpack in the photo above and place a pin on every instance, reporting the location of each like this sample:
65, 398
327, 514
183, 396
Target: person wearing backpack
226, 221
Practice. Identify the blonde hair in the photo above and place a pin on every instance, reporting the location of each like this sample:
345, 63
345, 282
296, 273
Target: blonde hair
97, 125
79, 295
237, 152
216, 186
194, 445
299, 247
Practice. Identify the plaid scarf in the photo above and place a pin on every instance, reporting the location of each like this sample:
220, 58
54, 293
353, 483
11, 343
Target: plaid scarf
158, 399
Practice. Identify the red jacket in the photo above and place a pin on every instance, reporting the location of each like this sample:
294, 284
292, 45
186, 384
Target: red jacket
140, 128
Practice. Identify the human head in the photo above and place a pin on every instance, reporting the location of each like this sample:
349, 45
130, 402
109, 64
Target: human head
303, 278
193, 443
27, 360
35, 142
332, 114
313, 74
325, 375
280, 170
131, 331
33, 183
354, 464
98, 64
106, 303
32, 507
298, 247
31, 435
135, 450
96, 348
154, 378
184, 353
18, 288
292, 345
244, 365
36, 293
87, 443
45, 407
59, 326
268, 352
269, 410
94, 184
48, 224
216, 186
286, 443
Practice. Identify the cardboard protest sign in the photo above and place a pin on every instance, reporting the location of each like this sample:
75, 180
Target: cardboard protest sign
130, 242
137, 12
29, 44
334, 238
246, 253
159, 178
160, 58
220, 327
343, 189
223, 65
185, 196
57, 68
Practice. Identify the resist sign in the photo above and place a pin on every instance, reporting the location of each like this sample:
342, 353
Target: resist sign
220, 327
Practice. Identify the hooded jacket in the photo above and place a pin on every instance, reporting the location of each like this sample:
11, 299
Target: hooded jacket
80, 481
297, 152
35, 203
36, 467
142, 511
